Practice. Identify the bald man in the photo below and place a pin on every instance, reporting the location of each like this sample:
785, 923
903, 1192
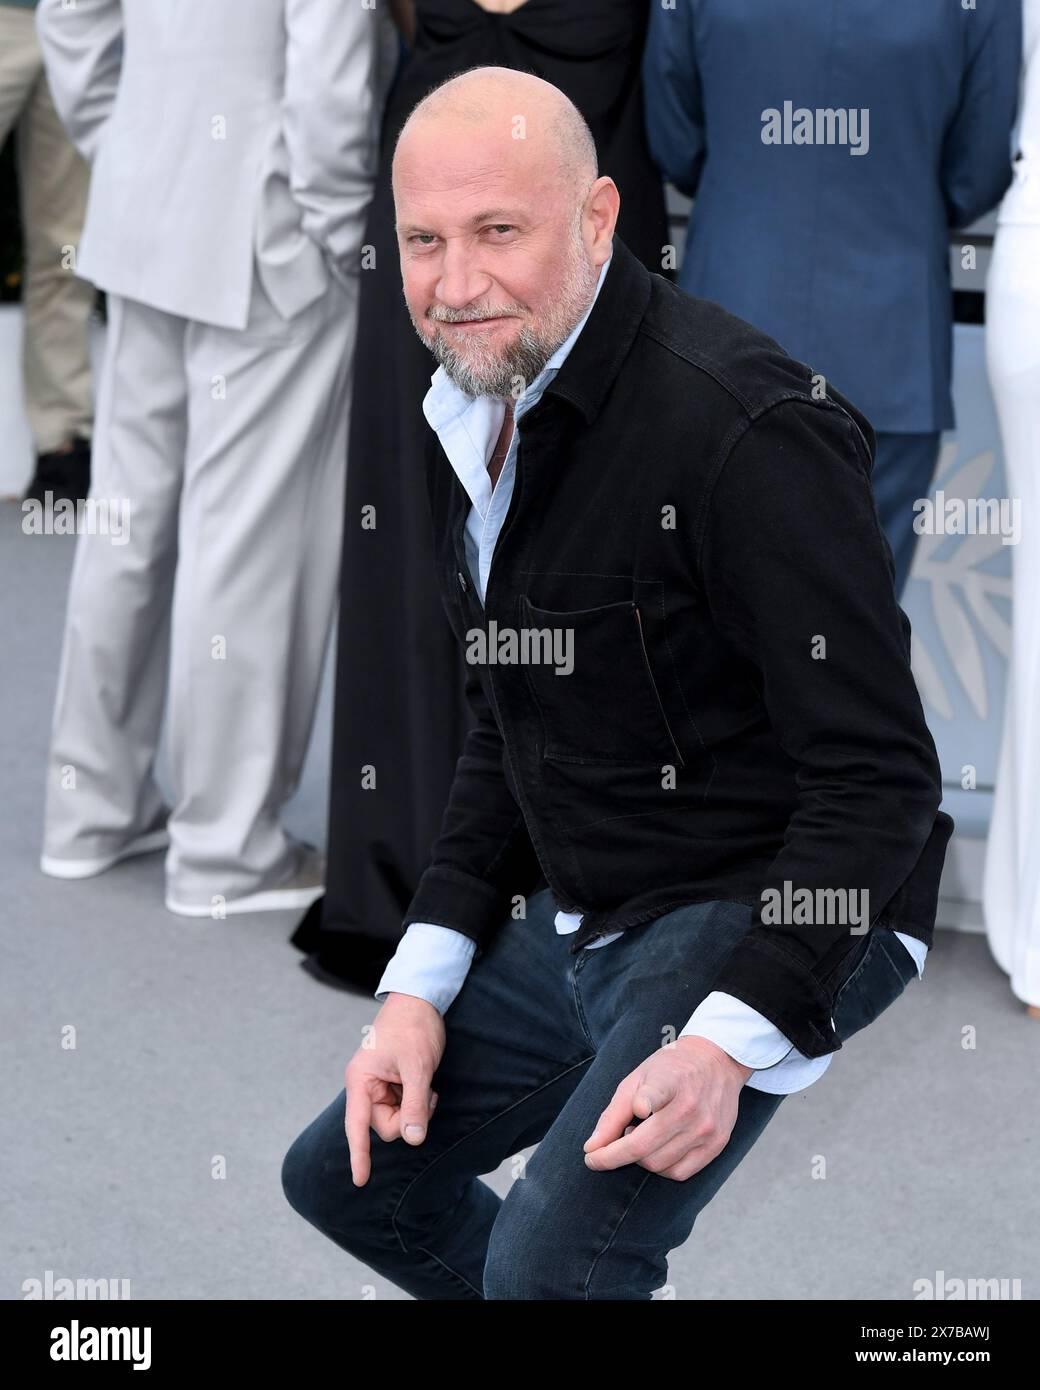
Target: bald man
693, 842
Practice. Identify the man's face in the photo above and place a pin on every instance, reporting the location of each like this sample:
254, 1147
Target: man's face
493, 265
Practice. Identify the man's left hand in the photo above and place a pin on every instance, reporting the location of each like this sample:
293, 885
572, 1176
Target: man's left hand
684, 1098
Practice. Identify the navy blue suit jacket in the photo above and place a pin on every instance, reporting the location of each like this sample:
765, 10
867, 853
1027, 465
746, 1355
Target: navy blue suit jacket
842, 257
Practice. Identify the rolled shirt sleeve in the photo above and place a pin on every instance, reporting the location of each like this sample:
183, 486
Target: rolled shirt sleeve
430, 962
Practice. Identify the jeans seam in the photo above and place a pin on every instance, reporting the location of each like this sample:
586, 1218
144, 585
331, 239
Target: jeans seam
877, 941
908, 980
583, 957
613, 1235
868, 954
422, 1249
855, 985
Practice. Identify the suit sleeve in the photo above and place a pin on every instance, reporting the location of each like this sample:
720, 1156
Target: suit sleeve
337, 74
799, 579
82, 47
672, 96
976, 157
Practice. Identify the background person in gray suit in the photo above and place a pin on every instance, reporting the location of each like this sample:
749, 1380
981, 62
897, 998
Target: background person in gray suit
56, 305
829, 146
233, 153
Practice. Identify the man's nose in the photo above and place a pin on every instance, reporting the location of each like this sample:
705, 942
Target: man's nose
460, 285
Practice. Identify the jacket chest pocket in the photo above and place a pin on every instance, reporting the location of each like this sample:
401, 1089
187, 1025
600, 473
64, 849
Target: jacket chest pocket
597, 698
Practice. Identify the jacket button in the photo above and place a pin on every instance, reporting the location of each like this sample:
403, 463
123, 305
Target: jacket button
463, 582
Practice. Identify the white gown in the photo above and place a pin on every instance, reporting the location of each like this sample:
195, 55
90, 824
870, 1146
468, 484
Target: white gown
1011, 883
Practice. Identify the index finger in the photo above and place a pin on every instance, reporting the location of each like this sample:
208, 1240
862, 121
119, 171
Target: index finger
357, 1123
648, 1135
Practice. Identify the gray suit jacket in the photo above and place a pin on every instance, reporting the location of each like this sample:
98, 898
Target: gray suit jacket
222, 138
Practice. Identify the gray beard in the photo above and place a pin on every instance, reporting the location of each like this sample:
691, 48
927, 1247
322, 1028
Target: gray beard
505, 376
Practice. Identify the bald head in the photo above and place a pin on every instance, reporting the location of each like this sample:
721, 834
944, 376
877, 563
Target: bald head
502, 221
522, 107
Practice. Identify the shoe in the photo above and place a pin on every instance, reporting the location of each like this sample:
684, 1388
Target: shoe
88, 868
306, 884
65, 473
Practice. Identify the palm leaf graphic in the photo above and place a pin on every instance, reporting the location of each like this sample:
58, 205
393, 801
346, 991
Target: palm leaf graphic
958, 638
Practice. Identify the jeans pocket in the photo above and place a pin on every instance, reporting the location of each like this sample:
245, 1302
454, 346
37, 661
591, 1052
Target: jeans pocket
877, 982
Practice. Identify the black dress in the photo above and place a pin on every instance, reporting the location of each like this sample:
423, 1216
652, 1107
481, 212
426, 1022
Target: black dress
400, 709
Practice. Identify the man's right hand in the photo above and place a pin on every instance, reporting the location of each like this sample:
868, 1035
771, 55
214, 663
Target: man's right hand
388, 1080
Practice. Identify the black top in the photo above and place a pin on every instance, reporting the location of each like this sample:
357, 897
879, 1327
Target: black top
400, 703
740, 714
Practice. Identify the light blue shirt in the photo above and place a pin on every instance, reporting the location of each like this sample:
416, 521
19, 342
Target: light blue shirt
432, 961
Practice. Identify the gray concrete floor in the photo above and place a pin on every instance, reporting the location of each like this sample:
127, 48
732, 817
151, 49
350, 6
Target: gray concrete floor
195, 1040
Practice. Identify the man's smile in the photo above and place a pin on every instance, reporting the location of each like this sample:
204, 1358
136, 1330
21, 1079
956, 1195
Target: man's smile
477, 325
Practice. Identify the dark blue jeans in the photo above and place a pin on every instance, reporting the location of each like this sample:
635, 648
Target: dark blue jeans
537, 1041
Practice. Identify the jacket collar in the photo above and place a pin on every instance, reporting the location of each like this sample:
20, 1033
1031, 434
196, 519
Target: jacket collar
595, 359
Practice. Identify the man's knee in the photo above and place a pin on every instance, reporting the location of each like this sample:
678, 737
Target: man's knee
316, 1176
522, 1264
534, 1253
296, 1176
531, 1259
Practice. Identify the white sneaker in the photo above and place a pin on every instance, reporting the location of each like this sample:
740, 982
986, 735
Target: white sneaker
307, 884
87, 868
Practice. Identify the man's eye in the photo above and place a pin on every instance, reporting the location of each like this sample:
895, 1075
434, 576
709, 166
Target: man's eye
418, 236
502, 227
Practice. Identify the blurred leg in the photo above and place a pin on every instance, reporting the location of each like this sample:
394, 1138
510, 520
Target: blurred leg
19, 64
54, 180
1011, 884
902, 472
111, 685
260, 532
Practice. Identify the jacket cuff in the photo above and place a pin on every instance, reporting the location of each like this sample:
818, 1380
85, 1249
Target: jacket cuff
783, 989
447, 897
916, 903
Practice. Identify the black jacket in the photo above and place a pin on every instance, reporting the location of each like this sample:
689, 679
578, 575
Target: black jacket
741, 713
